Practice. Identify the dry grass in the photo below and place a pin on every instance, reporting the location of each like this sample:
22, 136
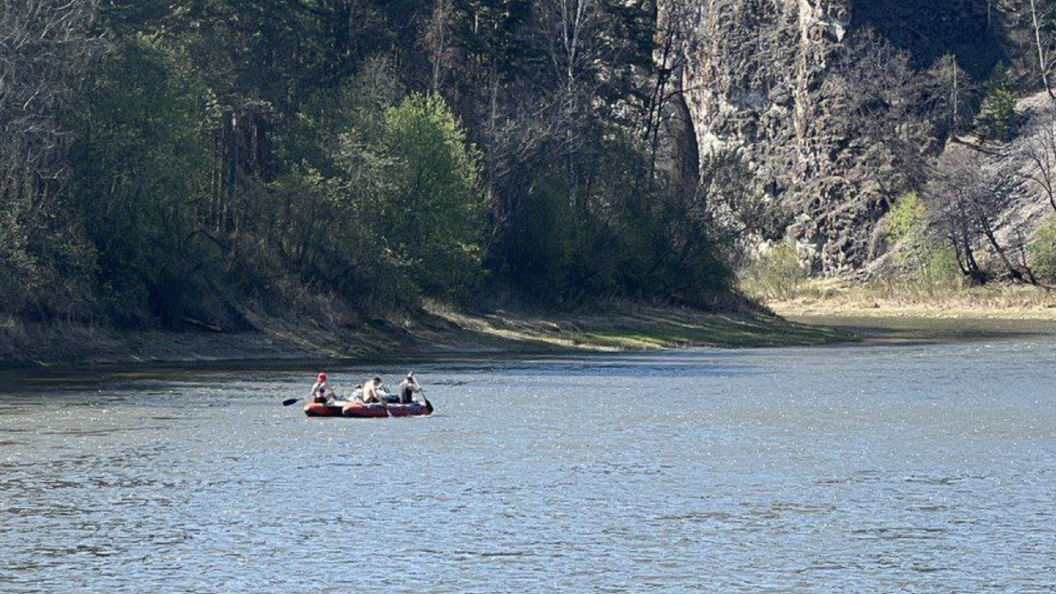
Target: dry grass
917, 300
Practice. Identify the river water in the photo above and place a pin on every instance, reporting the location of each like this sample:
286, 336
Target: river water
925, 468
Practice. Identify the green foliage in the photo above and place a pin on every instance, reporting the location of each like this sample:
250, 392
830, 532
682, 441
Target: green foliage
489, 30
622, 237
227, 157
933, 267
139, 170
942, 270
46, 264
432, 211
908, 230
997, 121
775, 273
45, 261
1043, 252
402, 185
908, 218
323, 237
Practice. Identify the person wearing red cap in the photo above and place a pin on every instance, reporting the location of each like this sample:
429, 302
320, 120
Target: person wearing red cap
321, 391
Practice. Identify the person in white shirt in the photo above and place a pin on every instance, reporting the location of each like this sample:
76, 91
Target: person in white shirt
408, 388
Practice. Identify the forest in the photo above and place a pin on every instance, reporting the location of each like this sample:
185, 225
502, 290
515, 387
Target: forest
166, 161
203, 163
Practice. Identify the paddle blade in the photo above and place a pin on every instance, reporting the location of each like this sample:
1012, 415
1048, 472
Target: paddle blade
290, 401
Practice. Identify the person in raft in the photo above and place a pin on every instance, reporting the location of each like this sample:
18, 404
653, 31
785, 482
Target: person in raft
373, 390
321, 391
408, 388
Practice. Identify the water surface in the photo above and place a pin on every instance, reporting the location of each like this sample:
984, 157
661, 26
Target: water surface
922, 468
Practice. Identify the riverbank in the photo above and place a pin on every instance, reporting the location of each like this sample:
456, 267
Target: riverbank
901, 313
437, 330
820, 313
832, 298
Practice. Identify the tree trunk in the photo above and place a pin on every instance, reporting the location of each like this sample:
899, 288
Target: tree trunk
1043, 61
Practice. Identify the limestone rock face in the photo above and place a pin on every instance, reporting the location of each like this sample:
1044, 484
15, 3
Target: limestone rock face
750, 78
754, 77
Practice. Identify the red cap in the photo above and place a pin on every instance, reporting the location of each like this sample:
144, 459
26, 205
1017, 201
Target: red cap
322, 377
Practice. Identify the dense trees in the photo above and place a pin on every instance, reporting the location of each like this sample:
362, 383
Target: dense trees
190, 161
45, 46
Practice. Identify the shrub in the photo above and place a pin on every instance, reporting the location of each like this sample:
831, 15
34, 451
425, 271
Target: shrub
775, 273
907, 217
908, 229
942, 270
1043, 252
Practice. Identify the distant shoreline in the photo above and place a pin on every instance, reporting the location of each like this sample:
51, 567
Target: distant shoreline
951, 312
902, 330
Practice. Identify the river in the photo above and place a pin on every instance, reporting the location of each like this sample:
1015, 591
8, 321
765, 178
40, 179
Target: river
914, 468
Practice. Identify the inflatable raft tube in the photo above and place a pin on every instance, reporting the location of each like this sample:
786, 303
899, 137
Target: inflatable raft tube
359, 410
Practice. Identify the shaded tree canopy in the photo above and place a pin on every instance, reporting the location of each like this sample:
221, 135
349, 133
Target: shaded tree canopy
172, 160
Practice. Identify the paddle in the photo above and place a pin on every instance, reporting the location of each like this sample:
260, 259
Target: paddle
291, 401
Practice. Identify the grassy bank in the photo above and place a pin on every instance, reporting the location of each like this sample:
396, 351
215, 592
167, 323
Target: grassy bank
437, 330
893, 299
639, 328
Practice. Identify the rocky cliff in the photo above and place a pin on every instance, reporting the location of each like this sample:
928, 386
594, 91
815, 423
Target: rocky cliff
757, 76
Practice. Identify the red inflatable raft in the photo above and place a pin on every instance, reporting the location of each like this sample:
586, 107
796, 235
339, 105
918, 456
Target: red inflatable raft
368, 411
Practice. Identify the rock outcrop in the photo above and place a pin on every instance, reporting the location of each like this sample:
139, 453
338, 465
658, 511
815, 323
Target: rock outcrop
754, 78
